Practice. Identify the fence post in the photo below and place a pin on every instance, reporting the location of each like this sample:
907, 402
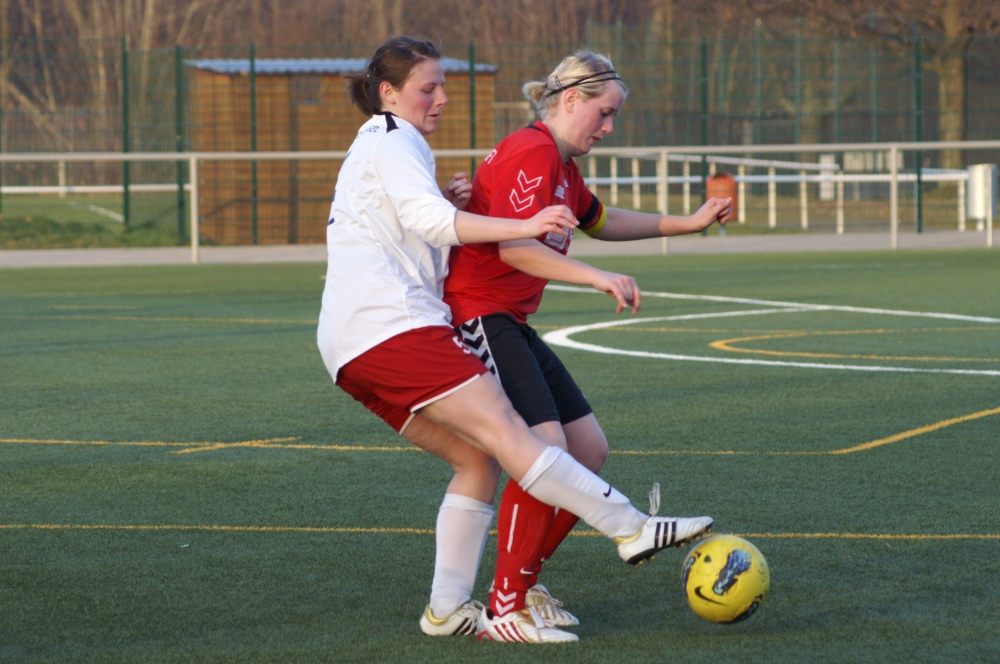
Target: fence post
663, 183
125, 146
472, 107
874, 93
253, 143
757, 83
840, 205
663, 195
704, 121
804, 201
836, 91
961, 205
687, 187
3, 94
636, 198
741, 195
614, 180
592, 173
772, 199
704, 116
918, 128
618, 41
179, 134
195, 230
798, 83
894, 197
62, 178
989, 217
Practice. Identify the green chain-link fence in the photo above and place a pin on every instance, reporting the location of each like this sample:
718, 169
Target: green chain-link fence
762, 90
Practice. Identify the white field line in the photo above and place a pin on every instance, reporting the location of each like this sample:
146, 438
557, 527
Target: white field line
99, 210
562, 337
797, 305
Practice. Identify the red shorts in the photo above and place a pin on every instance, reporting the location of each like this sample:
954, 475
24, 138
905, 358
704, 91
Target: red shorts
409, 371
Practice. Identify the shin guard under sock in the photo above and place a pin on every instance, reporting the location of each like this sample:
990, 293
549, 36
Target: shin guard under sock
560, 480
522, 526
462, 526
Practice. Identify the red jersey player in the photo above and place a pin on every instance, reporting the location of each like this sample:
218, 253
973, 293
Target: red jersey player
492, 288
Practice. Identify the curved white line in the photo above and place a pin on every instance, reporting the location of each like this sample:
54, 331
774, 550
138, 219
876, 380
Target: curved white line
797, 305
562, 338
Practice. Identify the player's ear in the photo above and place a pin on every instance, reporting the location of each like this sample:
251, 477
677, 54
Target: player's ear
571, 98
387, 92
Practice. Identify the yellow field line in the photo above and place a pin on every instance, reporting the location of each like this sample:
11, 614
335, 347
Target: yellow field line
429, 531
726, 345
282, 443
265, 444
916, 432
220, 529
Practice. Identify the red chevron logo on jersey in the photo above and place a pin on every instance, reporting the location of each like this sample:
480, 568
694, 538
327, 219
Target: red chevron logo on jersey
519, 203
526, 184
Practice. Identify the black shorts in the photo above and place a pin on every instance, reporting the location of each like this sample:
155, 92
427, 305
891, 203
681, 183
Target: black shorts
534, 378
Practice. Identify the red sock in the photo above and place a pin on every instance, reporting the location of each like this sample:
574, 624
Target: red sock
561, 525
522, 527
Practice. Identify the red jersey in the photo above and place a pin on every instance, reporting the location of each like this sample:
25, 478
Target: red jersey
522, 176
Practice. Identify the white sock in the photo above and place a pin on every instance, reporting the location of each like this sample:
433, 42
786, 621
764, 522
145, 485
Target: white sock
462, 525
558, 479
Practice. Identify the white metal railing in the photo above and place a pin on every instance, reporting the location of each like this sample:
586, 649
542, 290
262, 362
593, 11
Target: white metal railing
663, 155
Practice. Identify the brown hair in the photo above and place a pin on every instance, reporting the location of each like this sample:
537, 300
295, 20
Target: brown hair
392, 62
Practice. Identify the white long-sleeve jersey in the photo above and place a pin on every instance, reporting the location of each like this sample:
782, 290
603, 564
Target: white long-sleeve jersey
387, 238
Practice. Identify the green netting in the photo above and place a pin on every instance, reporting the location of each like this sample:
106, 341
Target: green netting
763, 90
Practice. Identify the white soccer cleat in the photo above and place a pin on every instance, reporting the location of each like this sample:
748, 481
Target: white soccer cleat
548, 607
463, 620
660, 532
520, 627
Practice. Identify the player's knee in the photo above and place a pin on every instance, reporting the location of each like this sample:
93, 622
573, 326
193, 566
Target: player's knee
593, 456
551, 433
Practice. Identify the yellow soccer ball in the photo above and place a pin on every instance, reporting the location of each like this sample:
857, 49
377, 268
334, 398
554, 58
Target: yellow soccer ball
725, 579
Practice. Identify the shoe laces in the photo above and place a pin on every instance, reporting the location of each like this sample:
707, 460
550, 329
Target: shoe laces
537, 618
473, 605
546, 596
654, 499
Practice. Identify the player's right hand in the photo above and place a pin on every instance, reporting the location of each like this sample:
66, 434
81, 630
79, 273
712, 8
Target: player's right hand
714, 209
621, 287
553, 219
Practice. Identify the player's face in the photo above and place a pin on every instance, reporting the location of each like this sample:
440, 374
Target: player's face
593, 118
421, 98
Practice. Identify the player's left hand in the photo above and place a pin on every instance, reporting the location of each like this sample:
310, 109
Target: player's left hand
458, 191
621, 287
714, 209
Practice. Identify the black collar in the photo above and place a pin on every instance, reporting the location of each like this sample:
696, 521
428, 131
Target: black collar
390, 124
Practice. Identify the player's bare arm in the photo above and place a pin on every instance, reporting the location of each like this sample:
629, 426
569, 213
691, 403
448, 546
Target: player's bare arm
472, 228
623, 225
534, 258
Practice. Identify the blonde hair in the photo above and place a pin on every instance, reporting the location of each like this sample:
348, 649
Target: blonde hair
589, 73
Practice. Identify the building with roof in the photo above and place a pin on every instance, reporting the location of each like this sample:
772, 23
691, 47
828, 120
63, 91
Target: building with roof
300, 104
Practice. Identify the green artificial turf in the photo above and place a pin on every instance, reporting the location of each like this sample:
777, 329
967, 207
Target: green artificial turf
105, 554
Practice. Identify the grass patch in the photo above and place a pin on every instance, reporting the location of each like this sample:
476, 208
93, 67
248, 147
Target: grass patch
44, 233
210, 354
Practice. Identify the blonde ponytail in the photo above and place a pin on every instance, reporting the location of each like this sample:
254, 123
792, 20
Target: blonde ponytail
585, 71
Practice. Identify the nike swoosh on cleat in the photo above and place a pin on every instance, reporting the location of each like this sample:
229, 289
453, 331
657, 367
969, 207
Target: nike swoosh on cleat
608, 493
